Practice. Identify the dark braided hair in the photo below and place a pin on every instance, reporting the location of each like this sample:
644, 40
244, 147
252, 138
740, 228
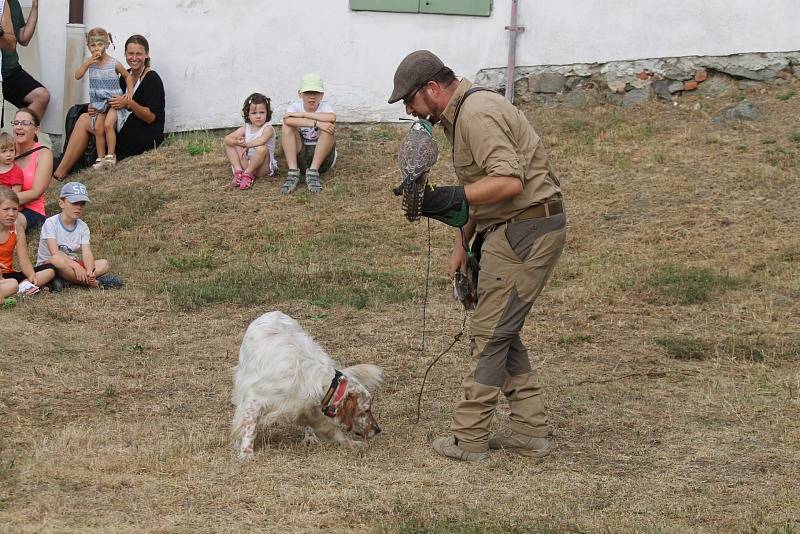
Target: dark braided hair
256, 98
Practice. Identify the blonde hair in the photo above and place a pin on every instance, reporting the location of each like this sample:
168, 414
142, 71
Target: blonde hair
6, 193
6, 141
98, 32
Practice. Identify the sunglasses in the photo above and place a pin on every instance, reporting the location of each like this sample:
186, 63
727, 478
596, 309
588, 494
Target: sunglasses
22, 123
410, 98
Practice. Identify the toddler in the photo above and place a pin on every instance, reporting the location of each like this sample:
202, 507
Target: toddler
251, 148
10, 173
12, 240
104, 72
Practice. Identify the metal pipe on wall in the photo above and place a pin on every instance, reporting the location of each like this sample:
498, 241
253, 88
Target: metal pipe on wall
512, 51
73, 57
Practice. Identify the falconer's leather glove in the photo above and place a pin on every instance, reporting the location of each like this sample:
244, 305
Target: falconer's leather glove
447, 203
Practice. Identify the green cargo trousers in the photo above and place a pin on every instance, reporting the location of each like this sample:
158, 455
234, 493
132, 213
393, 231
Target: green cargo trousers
517, 259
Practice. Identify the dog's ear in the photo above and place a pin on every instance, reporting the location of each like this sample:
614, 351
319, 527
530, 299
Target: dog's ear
346, 412
368, 375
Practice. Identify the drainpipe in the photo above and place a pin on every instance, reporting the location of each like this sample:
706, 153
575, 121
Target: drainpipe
76, 42
512, 51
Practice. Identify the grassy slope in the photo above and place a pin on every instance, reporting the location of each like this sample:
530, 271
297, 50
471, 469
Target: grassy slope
668, 343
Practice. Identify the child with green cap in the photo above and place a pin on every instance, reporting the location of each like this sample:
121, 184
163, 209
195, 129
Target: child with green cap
309, 136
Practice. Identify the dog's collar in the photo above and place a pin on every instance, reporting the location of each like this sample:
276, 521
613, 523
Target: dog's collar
335, 394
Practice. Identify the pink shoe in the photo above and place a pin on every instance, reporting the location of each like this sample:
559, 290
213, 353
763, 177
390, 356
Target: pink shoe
237, 179
246, 180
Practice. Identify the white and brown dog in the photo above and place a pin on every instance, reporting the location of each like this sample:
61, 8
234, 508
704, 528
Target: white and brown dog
283, 374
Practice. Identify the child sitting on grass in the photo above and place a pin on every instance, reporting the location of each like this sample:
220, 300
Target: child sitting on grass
64, 242
10, 173
12, 239
251, 148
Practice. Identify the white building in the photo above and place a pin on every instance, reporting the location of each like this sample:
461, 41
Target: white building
212, 53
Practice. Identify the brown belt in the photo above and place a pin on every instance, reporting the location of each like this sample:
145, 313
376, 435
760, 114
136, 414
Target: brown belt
547, 209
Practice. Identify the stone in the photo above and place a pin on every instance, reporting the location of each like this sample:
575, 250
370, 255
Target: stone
635, 97
718, 85
574, 81
785, 74
616, 86
644, 75
701, 76
690, 85
548, 82
577, 99
661, 88
743, 111
746, 85
796, 70
675, 87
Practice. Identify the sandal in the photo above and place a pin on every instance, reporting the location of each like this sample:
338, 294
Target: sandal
292, 179
313, 181
246, 180
237, 179
99, 163
110, 160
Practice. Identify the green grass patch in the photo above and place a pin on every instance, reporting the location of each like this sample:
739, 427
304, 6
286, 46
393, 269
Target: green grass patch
262, 285
783, 97
123, 207
794, 137
677, 284
191, 262
683, 347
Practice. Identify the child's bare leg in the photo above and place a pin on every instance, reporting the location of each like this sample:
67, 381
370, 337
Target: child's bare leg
8, 287
256, 163
44, 276
100, 134
101, 267
111, 131
324, 146
291, 142
234, 154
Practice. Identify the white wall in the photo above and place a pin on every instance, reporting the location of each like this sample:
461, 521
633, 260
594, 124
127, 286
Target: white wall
213, 53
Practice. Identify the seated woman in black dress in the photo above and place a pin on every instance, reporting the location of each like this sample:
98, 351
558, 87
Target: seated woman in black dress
144, 127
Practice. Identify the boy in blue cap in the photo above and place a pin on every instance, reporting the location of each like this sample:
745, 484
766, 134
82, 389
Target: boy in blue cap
64, 242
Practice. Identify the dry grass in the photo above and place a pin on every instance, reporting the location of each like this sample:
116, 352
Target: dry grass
668, 342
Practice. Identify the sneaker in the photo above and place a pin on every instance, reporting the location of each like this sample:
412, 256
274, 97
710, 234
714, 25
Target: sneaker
110, 160
521, 444
292, 179
448, 446
110, 281
57, 284
98, 164
313, 181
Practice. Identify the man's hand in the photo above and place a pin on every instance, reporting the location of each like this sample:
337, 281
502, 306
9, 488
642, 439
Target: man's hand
327, 127
458, 261
447, 204
91, 110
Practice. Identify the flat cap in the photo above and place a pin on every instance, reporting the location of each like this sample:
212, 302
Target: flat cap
415, 69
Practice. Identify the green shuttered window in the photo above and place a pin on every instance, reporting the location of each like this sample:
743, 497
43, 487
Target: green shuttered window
480, 8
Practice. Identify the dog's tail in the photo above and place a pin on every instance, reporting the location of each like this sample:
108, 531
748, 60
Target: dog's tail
370, 376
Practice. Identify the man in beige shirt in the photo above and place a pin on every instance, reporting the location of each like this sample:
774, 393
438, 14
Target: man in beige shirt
515, 207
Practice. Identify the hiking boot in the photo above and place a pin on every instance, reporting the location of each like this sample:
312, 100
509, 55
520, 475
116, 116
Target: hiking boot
448, 446
110, 281
57, 284
313, 181
292, 179
521, 444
